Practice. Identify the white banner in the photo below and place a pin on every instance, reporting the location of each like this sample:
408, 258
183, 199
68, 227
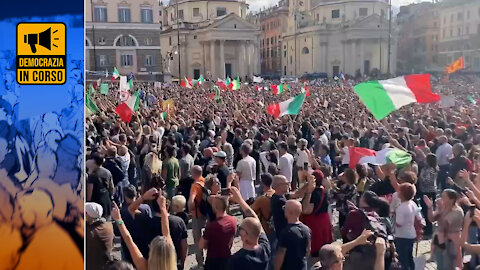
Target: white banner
257, 79
124, 84
158, 85
447, 101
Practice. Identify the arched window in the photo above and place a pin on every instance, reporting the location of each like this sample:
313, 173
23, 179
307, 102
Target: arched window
305, 50
125, 41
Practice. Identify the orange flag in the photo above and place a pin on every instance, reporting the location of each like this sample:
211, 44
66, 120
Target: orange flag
455, 66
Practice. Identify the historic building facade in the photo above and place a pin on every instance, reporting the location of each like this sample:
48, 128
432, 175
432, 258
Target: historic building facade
460, 33
273, 23
124, 34
337, 36
418, 38
211, 38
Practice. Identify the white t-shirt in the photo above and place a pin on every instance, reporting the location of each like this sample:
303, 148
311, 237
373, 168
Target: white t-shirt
302, 158
285, 166
247, 169
346, 156
323, 139
405, 217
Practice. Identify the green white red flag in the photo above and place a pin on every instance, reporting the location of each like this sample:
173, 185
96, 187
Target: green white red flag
126, 109
290, 106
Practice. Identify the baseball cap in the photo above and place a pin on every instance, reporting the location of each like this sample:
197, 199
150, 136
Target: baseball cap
220, 154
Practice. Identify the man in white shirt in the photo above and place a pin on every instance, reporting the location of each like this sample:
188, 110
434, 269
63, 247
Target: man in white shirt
246, 171
444, 154
285, 163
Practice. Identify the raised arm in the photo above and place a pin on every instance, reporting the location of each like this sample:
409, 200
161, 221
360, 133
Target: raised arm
148, 195
138, 260
361, 240
164, 215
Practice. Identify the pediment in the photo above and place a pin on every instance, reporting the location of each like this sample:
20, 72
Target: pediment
232, 21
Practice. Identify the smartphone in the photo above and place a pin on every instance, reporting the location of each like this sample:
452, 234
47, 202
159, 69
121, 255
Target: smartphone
305, 166
225, 192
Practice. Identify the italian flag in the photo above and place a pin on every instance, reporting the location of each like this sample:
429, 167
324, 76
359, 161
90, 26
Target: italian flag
385, 96
186, 83
198, 82
217, 94
91, 106
278, 89
290, 106
115, 74
126, 109
360, 155
163, 115
234, 85
222, 84
306, 90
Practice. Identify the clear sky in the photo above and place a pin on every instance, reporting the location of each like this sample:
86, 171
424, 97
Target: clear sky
257, 4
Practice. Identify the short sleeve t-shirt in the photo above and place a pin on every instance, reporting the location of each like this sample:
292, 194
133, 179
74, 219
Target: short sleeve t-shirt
219, 234
295, 238
178, 229
252, 259
277, 203
222, 175
173, 168
247, 169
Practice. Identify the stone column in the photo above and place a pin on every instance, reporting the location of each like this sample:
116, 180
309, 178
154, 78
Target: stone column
362, 57
242, 57
354, 57
325, 57
221, 71
204, 57
212, 60
255, 57
342, 56
251, 53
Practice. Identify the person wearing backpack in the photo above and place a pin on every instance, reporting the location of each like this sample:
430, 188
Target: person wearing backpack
199, 215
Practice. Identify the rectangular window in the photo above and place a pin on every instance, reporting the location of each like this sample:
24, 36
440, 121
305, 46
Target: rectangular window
147, 15
170, 41
459, 31
363, 12
180, 14
124, 15
196, 12
102, 60
149, 61
467, 29
100, 14
221, 11
126, 60
459, 16
335, 13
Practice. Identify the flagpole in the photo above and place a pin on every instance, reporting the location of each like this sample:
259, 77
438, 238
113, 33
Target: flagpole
389, 35
93, 33
178, 43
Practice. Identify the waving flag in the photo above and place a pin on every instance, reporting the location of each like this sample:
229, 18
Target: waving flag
290, 106
115, 74
186, 83
198, 82
91, 106
455, 66
306, 90
126, 109
278, 89
360, 155
234, 84
385, 96
222, 84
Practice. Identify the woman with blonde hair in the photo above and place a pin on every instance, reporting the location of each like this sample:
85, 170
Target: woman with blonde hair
162, 254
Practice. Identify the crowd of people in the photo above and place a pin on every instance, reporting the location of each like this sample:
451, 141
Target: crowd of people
224, 168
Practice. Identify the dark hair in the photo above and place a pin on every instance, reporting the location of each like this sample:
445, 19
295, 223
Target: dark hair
432, 161
98, 158
351, 176
361, 170
409, 177
170, 150
283, 145
374, 201
186, 148
267, 179
130, 191
318, 174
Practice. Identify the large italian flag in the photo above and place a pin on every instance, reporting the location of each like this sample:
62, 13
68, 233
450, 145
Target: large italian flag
388, 155
385, 96
186, 82
278, 89
126, 109
290, 106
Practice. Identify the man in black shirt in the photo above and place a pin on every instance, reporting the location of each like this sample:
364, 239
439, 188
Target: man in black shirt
222, 169
255, 252
279, 199
294, 240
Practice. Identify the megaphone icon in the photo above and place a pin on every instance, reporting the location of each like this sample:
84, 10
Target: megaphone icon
42, 39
